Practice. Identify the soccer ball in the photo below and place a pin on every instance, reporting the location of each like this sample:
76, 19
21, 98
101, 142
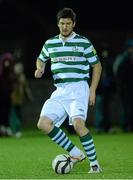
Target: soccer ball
62, 164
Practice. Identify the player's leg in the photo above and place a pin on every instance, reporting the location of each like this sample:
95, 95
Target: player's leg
87, 142
77, 111
52, 113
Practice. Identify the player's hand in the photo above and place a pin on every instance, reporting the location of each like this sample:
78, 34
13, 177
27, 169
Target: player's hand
92, 98
39, 73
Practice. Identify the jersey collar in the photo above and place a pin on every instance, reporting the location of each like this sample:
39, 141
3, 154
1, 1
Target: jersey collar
72, 35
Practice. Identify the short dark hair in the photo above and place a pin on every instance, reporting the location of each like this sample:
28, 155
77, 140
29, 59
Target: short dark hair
66, 13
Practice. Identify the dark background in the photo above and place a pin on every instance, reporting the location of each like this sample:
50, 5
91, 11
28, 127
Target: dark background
25, 25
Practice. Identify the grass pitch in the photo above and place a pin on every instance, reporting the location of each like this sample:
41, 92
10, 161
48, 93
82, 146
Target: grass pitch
30, 157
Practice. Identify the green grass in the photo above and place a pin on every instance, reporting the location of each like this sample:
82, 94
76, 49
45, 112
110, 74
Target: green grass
30, 157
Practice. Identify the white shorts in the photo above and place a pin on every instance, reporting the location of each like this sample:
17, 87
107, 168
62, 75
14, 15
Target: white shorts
70, 100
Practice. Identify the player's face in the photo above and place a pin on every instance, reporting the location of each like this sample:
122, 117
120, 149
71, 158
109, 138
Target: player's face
66, 26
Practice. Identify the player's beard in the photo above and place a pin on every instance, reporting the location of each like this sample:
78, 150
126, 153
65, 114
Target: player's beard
66, 34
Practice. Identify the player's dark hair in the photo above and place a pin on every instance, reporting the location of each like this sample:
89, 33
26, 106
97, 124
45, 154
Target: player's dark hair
66, 13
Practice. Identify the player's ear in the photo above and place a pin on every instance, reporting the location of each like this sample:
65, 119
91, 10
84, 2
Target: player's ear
74, 24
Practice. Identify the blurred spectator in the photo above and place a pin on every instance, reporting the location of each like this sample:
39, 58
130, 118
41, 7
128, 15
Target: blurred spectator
21, 89
6, 82
123, 70
105, 90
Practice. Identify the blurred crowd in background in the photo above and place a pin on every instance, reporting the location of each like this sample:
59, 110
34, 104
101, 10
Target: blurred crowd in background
13, 88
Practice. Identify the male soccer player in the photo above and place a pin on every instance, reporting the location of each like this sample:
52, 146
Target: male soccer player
71, 56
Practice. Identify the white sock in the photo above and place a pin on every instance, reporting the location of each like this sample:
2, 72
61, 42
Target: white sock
94, 163
75, 152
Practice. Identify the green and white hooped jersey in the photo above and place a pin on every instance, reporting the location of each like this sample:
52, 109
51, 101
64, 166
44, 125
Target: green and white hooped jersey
70, 60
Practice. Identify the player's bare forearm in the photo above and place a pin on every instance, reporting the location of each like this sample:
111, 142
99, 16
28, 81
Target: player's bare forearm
96, 74
40, 67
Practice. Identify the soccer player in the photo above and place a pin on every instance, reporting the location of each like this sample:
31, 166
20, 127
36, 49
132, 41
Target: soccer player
71, 56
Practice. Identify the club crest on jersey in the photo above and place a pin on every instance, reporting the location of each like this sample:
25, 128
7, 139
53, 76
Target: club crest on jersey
75, 49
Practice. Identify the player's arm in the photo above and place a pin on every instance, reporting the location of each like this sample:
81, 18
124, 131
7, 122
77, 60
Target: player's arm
96, 74
40, 68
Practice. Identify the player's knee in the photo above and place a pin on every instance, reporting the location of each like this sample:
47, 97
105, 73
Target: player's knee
77, 123
79, 126
45, 124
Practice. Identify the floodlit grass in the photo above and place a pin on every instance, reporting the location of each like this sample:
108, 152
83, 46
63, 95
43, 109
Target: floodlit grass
30, 157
